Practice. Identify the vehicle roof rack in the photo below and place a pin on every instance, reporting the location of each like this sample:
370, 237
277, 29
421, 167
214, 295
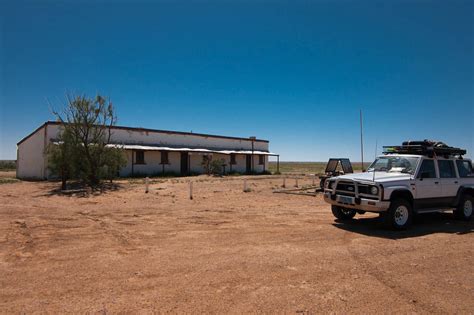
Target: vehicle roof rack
425, 147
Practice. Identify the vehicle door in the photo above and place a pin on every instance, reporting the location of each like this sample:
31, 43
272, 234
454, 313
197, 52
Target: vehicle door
448, 179
465, 172
427, 186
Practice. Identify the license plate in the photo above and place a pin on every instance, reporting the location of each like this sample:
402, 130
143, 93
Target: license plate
346, 200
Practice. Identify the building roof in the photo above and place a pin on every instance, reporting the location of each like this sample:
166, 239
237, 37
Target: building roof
197, 150
140, 129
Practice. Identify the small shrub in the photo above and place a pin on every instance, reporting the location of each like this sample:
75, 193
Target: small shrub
8, 180
212, 167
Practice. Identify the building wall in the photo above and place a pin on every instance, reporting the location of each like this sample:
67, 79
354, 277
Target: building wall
31, 157
153, 164
32, 162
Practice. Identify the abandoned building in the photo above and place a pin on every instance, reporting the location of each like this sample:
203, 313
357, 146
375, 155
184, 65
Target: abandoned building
153, 152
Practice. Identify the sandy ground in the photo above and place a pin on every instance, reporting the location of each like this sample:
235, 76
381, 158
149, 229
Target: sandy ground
223, 251
7, 174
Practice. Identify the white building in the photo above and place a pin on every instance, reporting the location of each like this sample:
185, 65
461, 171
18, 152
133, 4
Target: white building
153, 152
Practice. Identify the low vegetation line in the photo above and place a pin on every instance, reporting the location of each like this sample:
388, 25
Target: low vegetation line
7, 165
306, 167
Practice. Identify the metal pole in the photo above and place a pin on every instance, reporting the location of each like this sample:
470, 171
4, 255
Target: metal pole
191, 190
147, 183
133, 152
361, 141
375, 156
189, 164
252, 157
278, 164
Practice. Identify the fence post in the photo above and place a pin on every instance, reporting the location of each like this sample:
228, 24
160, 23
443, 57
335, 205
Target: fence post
314, 176
296, 182
147, 183
284, 182
191, 190
245, 185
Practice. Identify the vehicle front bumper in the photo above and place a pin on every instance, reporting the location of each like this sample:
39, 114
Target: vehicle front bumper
368, 205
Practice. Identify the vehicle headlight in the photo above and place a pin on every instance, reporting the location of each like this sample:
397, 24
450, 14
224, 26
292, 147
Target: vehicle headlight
374, 190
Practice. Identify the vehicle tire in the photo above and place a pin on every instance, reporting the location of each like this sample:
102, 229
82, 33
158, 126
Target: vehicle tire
343, 214
400, 214
465, 207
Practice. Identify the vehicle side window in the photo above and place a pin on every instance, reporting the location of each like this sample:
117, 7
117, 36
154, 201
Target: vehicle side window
427, 169
446, 169
464, 168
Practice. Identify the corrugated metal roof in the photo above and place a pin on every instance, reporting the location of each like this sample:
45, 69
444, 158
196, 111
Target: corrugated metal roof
198, 150
140, 129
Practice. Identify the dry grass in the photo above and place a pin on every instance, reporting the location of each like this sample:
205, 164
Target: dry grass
8, 177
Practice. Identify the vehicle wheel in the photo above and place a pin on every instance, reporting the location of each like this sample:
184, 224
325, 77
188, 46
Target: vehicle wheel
465, 208
343, 213
400, 214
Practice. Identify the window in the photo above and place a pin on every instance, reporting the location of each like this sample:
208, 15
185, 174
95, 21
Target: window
446, 169
261, 159
427, 169
139, 157
464, 168
232, 159
164, 157
394, 164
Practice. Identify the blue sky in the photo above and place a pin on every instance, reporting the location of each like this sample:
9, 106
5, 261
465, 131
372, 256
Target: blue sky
295, 73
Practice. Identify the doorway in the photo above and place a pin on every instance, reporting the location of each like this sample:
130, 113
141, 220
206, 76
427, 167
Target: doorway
248, 164
184, 163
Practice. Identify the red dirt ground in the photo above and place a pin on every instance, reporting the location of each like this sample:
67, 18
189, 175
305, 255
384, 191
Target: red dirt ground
224, 251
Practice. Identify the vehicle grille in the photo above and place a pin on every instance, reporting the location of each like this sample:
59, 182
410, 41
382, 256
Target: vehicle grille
348, 189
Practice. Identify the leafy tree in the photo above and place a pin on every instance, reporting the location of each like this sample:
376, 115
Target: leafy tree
86, 128
216, 166
114, 160
206, 164
61, 156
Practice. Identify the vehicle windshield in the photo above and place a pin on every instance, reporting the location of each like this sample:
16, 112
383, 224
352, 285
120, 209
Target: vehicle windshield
394, 164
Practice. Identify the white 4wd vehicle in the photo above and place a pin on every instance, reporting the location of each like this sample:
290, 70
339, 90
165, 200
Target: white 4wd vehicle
417, 177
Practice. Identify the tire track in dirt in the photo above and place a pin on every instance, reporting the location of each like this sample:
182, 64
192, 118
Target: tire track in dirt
20, 239
379, 275
122, 238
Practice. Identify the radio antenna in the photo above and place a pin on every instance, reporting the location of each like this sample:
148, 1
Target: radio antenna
373, 176
375, 156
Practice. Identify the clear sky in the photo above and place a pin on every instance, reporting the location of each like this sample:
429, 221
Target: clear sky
295, 73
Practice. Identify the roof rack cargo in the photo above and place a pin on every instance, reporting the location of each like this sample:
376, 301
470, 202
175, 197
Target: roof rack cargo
425, 147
